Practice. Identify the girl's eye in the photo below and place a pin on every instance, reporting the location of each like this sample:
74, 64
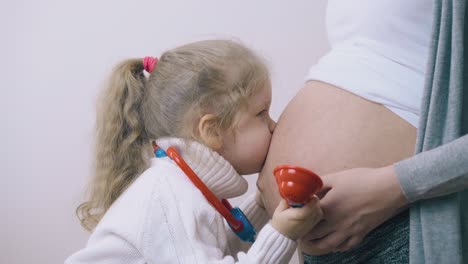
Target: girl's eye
261, 113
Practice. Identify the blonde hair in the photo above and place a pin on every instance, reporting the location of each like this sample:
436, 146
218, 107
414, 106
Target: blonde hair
213, 76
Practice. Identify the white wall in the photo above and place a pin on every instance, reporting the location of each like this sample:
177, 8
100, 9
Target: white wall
55, 57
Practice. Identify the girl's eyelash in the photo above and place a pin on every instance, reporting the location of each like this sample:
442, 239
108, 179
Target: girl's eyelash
261, 112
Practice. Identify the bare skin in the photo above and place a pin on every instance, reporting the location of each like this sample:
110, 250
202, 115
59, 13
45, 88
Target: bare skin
327, 130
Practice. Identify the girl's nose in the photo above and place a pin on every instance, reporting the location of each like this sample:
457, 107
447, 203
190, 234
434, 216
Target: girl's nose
271, 125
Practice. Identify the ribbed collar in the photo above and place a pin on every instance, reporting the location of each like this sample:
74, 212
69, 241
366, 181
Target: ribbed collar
216, 172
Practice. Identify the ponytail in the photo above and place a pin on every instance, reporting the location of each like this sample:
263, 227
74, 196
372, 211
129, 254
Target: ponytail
121, 141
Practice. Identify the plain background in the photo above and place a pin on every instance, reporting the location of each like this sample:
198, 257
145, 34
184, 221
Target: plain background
56, 54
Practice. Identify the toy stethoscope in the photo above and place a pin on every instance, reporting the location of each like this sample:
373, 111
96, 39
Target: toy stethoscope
234, 216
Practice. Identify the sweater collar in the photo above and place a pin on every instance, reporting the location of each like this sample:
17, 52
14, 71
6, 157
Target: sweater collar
215, 171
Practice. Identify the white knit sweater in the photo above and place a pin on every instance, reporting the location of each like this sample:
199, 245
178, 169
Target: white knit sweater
163, 218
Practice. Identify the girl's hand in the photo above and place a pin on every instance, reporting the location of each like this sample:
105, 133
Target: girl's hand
259, 199
294, 223
357, 201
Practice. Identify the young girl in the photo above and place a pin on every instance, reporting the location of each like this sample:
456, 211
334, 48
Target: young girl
210, 100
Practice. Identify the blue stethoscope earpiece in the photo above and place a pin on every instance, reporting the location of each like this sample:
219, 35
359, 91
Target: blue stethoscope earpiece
247, 233
160, 153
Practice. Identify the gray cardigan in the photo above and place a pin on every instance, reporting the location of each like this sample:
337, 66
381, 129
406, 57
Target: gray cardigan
435, 180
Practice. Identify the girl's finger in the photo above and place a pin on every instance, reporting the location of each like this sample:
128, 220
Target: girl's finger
283, 205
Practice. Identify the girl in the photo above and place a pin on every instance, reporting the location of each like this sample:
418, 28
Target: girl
210, 100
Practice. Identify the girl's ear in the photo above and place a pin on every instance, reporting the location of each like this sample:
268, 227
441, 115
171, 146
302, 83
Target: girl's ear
209, 132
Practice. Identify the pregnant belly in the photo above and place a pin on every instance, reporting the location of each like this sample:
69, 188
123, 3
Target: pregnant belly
327, 129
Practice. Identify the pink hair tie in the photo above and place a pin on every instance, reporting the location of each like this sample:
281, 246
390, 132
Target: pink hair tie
149, 63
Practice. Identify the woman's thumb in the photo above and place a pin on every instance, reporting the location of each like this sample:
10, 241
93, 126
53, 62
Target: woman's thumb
328, 182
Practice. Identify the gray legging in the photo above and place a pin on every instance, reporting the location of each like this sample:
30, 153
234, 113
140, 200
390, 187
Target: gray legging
436, 230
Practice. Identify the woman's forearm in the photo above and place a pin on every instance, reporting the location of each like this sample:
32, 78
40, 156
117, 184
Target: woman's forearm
436, 172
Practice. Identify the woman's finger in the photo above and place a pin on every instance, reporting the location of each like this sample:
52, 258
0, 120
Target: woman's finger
350, 243
322, 229
332, 241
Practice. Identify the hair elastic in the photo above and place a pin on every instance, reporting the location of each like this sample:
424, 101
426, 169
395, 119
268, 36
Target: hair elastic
149, 63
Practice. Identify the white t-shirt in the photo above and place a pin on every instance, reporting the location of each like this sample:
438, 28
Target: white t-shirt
379, 51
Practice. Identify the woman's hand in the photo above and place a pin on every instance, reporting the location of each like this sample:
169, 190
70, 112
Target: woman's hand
294, 223
356, 201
